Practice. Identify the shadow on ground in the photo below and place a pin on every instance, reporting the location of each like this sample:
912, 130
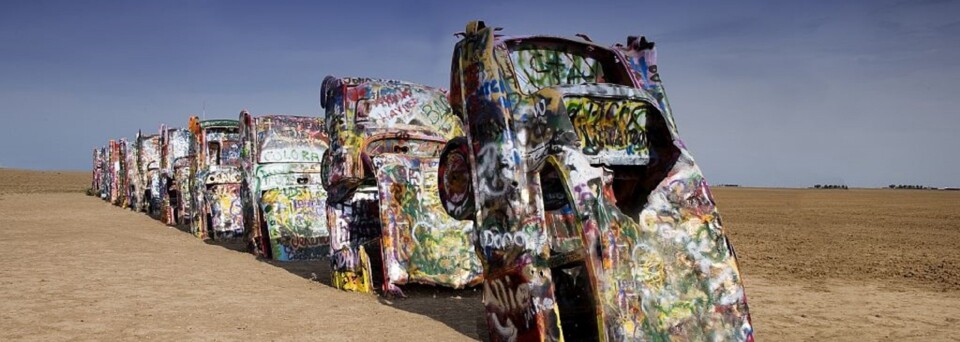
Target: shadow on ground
460, 309
236, 245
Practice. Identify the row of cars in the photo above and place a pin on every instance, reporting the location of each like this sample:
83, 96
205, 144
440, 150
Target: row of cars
551, 173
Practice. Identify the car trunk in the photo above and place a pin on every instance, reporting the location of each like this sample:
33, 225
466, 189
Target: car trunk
225, 219
421, 242
293, 209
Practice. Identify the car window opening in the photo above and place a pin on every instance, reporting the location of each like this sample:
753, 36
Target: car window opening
572, 288
632, 184
213, 155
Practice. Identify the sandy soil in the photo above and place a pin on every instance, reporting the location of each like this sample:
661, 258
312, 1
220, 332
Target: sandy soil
845, 265
900, 237
30, 181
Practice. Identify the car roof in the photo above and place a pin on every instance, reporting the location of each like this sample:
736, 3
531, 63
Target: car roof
219, 123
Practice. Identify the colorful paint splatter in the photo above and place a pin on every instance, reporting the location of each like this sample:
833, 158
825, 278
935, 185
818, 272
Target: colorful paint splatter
178, 150
552, 172
216, 184
594, 222
421, 243
149, 182
386, 137
280, 158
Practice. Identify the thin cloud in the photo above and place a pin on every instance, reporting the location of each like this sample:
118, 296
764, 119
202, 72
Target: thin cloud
765, 93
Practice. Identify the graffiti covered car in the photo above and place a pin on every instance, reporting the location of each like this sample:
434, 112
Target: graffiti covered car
117, 173
284, 200
217, 212
594, 222
132, 174
176, 174
121, 173
97, 186
148, 183
107, 171
384, 210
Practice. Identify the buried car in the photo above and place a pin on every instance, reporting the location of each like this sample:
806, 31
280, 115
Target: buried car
100, 177
216, 211
176, 174
284, 201
95, 173
117, 172
120, 172
594, 221
381, 174
132, 175
148, 182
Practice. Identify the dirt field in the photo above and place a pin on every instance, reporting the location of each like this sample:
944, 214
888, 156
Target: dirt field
29, 181
856, 265
819, 264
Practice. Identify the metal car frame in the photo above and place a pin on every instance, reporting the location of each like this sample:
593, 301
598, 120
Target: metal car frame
383, 206
176, 174
283, 199
117, 172
217, 212
594, 221
148, 182
132, 173
99, 172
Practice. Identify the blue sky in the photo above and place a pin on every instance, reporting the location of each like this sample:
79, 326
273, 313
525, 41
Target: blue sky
765, 93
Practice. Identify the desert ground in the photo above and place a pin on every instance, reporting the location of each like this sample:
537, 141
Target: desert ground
818, 264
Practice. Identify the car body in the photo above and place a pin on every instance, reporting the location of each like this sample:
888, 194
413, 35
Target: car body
148, 182
594, 221
284, 201
105, 178
384, 209
97, 185
132, 172
177, 153
123, 173
117, 172
217, 213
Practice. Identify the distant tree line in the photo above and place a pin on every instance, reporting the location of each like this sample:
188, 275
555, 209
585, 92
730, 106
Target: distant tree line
891, 186
830, 186
907, 186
